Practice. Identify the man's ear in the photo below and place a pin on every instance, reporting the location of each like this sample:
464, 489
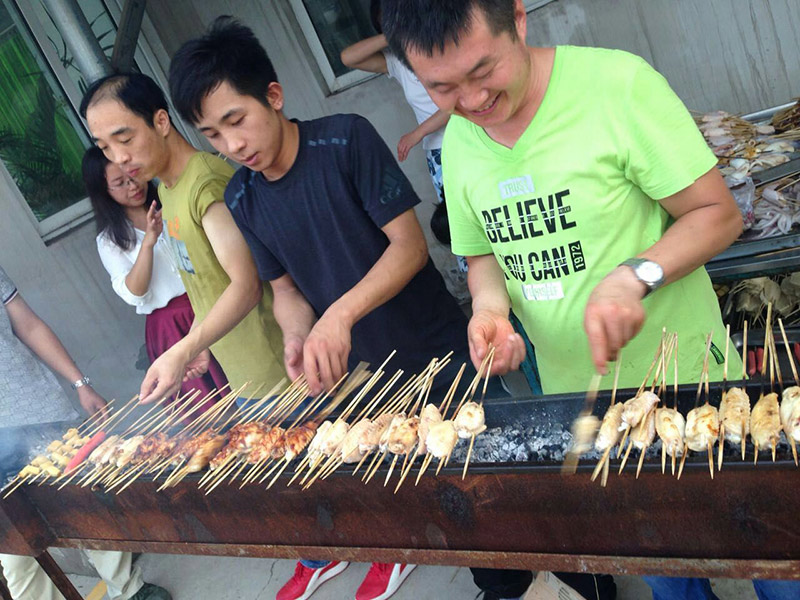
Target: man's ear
161, 122
521, 20
275, 96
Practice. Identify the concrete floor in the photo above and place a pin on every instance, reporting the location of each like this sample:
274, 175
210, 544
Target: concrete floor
219, 578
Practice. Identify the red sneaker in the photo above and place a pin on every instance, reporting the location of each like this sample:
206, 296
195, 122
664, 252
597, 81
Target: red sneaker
382, 581
305, 581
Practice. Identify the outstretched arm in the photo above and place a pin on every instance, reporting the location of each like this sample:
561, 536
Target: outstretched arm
44, 343
366, 55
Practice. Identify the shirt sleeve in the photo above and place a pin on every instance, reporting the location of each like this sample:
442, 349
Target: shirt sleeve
7, 288
269, 268
118, 266
210, 189
666, 152
391, 64
384, 190
467, 235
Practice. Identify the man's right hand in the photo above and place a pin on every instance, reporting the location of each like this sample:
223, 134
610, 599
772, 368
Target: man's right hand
164, 377
489, 328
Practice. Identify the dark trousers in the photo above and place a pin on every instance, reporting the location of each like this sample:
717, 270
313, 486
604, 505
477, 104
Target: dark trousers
508, 583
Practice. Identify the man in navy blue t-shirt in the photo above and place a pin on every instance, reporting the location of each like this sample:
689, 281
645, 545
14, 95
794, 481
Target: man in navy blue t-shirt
329, 217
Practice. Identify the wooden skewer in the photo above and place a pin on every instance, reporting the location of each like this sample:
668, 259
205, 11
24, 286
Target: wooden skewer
425, 463
378, 455
789, 436
683, 461
391, 469
15, 486
604, 478
721, 442
743, 443
278, 474
405, 472
603, 459
625, 458
361, 462
469, 454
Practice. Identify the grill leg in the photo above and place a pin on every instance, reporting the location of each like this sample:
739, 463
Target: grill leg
57, 576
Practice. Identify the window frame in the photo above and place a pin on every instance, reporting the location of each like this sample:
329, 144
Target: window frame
354, 77
81, 212
335, 84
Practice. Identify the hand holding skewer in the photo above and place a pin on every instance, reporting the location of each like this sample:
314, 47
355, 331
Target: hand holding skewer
491, 329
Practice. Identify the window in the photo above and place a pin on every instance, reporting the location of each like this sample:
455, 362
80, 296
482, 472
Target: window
329, 27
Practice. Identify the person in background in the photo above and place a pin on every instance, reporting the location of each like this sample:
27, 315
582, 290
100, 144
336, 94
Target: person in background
373, 55
30, 395
136, 256
129, 120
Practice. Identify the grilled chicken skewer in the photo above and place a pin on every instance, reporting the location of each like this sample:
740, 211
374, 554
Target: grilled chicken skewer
790, 402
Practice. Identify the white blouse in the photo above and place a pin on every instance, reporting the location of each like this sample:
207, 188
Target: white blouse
165, 281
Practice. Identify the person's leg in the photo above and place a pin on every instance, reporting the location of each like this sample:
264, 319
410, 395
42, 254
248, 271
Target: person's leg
686, 588
774, 589
502, 583
115, 569
27, 580
434, 156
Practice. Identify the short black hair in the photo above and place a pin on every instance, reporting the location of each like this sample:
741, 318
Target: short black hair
427, 25
138, 93
228, 52
110, 216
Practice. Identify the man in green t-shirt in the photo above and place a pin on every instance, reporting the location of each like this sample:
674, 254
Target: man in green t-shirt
129, 120
561, 164
577, 183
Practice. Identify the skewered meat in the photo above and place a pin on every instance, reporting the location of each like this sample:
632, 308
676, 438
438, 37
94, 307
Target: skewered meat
734, 414
71, 433
351, 452
298, 438
397, 420
609, 433
470, 420
430, 415
127, 449
77, 441
153, 447
790, 412
370, 438
635, 409
671, 428
644, 433
242, 438
50, 469
404, 437
59, 459
765, 422
38, 460
97, 454
264, 449
441, 439
204, 452
702, 427
192, 445
29, 471
319, 438
55, 446
584, 429
335, 437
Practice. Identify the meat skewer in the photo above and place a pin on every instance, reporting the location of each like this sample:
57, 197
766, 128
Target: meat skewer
471, 419
634, 409
790, 402
734, 410
702, 422
765, 421
670, 424
609, 433
584, 428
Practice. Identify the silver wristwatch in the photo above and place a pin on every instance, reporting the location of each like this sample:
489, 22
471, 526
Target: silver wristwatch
648, 272
81, 382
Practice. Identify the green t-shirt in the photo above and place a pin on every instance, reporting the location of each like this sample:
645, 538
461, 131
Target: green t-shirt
576, 196
253, 350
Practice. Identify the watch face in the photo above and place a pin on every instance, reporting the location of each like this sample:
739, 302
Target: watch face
650, 272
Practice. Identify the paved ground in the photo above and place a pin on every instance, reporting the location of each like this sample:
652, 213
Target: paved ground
215, 578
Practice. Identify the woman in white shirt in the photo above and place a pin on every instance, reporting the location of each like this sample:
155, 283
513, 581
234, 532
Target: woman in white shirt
138, 260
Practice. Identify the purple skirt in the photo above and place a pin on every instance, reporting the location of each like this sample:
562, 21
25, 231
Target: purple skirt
166, 326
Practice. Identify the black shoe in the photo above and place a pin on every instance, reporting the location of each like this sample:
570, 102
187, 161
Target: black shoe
152, 592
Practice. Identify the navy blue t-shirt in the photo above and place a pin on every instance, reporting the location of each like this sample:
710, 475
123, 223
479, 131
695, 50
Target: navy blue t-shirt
321, 224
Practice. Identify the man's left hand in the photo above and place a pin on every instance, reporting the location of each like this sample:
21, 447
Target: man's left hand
198, 366
614, 315
92, 402
325, 352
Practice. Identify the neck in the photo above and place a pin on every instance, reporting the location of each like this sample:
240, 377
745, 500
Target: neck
290, 146
137, 216
540, 69
179, 151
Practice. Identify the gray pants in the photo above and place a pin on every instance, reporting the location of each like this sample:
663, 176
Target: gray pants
28, 581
